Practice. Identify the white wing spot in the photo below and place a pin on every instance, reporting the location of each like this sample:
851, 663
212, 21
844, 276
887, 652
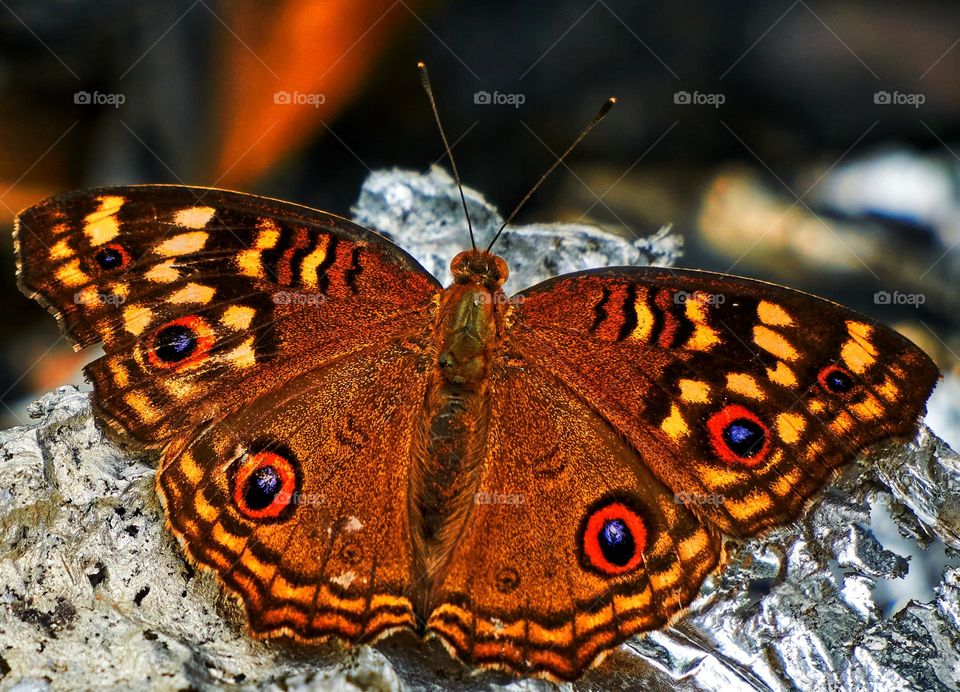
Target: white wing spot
194, 217
344, 580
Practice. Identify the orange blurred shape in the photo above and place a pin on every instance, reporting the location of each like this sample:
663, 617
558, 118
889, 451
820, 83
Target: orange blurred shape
290, 67
57, 366
16, 196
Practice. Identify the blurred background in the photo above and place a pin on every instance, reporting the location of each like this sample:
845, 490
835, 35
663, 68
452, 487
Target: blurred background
811, 143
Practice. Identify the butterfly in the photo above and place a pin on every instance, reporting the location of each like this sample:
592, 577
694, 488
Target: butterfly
355, 450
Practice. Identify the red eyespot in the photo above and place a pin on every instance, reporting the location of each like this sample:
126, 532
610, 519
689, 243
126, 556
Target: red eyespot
738, 436
111, 257
180, 343
836, 380
265, 485
613, 537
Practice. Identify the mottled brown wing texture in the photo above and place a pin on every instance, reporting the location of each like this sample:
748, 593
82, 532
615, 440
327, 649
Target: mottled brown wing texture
194, 291
299, 502
740, 396
531, 587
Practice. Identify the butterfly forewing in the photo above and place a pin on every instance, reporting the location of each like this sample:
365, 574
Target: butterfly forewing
192, 291
739, 395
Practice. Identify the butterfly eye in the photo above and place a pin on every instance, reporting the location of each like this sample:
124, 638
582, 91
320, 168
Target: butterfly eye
265, 486
613, 538
111, 257
836, 380
738, 436
180, 342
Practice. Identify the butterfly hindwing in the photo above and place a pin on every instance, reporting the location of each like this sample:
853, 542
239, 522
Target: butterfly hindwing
299, 503
572, 544
741, 396
192, 291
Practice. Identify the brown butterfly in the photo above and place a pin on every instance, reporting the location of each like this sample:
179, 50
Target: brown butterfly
355, 450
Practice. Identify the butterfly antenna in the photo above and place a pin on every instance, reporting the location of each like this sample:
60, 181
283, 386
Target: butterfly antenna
601, 114
425, 79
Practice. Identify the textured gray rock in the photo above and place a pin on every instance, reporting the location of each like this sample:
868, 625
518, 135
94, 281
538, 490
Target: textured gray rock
94, 592
425, 215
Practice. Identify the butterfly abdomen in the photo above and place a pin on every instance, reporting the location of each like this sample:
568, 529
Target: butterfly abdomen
444, 479
446, 469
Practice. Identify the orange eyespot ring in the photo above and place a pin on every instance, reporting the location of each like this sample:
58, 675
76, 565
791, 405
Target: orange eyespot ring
180, 343
265, 485
112, 257
738, 436
836, 380
613, 536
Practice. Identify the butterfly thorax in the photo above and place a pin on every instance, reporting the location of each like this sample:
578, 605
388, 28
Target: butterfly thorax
471, 316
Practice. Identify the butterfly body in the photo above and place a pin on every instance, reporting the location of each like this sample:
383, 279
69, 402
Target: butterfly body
443, 482
355, 450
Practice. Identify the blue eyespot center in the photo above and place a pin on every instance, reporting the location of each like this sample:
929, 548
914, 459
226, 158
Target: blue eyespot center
262, 487
109, 258
175, 343
838, 381
616, 542
744, 437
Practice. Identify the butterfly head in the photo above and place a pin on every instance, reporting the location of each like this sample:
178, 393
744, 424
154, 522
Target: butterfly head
479, 267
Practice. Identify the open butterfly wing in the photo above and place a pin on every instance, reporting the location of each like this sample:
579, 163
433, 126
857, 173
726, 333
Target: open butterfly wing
739, 395
193, 290
275, 354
